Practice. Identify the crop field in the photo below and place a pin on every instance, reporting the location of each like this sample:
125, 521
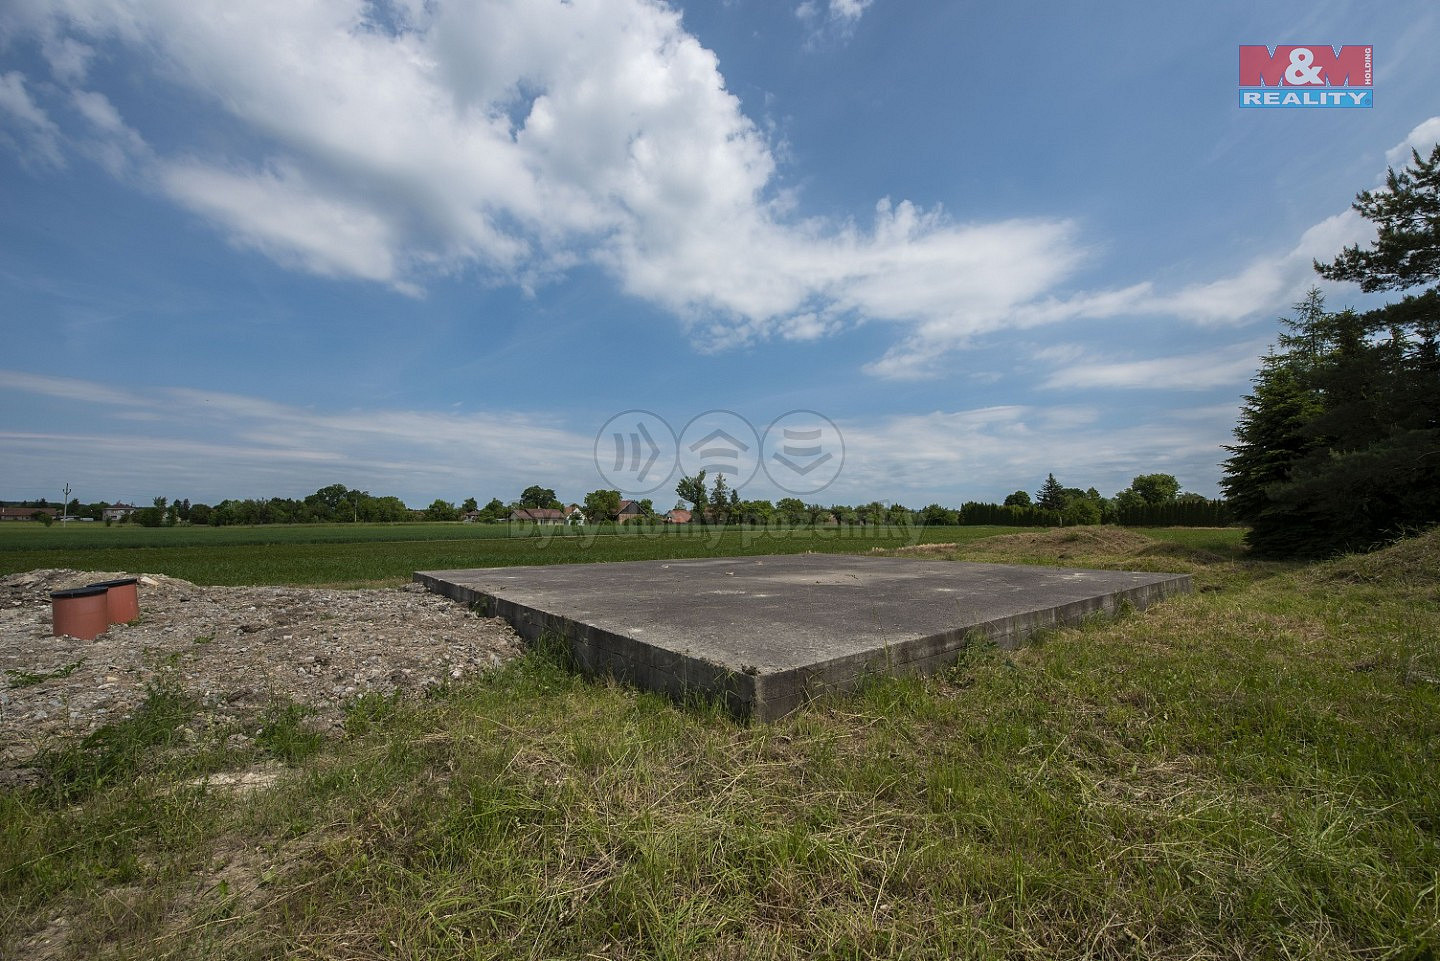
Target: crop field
376, 554
1247, 771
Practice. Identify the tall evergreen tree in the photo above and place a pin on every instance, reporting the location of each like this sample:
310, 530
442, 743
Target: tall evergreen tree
1051, 495
1339, 445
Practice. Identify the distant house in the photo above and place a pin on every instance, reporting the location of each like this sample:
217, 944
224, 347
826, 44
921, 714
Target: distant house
118, 512
678, 516
24, 513
470, 517
629, 511
574, 515
537, 515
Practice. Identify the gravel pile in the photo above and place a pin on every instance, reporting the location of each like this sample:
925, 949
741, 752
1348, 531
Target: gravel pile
236, 648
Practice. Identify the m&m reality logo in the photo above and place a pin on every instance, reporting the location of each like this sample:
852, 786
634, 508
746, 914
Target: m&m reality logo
1308, 75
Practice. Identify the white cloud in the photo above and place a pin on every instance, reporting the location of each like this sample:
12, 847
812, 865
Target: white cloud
36, 136
833, 18
986, 453
69, 388
1423, 139
114, 144
516, 139
228, 445
526, 137
1223, 367
280, 214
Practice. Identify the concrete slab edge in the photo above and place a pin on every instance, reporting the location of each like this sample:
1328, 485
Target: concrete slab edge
769, 697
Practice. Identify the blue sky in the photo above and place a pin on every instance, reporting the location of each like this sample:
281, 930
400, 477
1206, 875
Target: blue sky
431, 248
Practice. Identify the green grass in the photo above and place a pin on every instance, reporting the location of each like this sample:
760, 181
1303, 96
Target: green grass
378, 554
31, 678
1248, 771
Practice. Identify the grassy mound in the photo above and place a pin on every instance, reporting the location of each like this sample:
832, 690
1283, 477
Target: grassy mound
1413, 561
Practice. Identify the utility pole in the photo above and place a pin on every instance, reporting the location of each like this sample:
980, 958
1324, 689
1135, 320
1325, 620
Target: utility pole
65, 505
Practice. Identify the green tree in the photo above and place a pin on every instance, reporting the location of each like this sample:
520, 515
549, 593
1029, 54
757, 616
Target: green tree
1018, 499
537, 496
1051, 495
1406, 214
792, 510
1156, 488
692, 489
936, 515
1338, 446
1082, 510
602, 506
441, 510
720, 505
470, 504
330, 503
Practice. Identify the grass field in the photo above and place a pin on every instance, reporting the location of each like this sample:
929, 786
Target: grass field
377, 554
1249, 771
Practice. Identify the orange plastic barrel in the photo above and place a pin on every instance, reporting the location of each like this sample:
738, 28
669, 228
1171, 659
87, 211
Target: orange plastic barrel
122, 599
81, 612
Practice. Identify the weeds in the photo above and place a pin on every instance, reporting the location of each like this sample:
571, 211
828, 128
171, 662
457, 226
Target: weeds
115, 752
28, 679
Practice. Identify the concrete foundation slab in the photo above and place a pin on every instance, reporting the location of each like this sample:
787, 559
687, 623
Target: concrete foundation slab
765, 634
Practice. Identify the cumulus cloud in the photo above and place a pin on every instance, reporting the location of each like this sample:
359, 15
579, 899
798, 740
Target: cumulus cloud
393, 142
1422, 139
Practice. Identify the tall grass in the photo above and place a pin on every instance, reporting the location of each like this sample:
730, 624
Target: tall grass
1244, 772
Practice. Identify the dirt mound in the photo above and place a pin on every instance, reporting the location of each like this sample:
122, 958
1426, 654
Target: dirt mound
237, 649
1071, 540
1413, 561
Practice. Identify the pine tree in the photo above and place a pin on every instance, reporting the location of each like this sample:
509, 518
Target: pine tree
1339, 445
1406, 215
1051, 495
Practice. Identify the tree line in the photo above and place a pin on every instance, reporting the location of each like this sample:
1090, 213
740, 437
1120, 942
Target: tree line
1151, 499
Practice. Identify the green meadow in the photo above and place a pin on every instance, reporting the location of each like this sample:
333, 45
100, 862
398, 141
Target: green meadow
1245, 772
377, 554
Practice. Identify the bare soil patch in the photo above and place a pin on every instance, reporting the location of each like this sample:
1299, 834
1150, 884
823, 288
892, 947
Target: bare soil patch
237, 649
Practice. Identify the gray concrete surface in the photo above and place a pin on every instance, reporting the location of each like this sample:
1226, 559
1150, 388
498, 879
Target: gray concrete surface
766, 634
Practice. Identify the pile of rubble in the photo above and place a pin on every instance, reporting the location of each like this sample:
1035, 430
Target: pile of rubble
237, 649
